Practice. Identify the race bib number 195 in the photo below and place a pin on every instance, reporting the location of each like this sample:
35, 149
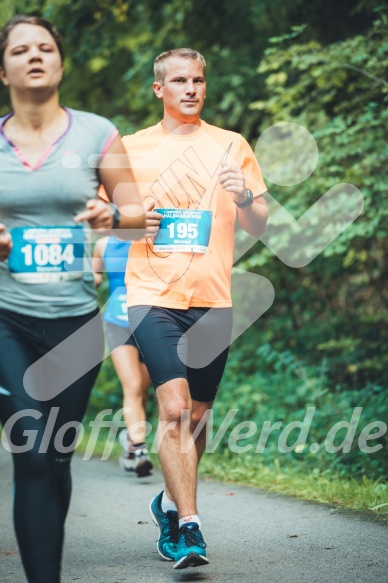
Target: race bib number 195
46, 254
183, 230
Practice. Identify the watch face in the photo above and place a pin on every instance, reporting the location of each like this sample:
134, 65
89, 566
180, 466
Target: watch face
248, 201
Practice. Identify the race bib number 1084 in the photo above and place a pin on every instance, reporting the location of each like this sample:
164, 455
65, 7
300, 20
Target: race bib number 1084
43, 254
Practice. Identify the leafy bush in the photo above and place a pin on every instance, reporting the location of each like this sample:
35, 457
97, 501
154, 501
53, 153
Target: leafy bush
281, 389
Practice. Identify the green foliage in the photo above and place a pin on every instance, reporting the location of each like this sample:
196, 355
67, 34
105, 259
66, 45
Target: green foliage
111, 47
268, 386
337, 304
321, 64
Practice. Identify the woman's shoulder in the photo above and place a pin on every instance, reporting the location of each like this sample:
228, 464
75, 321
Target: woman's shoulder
91, 130
88, 118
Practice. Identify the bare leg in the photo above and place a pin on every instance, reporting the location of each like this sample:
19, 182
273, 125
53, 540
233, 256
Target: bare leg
135, 380
179, 462
198, 419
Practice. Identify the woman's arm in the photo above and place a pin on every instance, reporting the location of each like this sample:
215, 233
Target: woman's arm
5, 243
120, 187
119, 183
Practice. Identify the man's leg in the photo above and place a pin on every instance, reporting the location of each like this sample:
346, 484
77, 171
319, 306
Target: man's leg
158, 332
199, 417
193, 436
178, 458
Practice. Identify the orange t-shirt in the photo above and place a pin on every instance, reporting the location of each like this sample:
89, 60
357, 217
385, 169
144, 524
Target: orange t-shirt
181, 171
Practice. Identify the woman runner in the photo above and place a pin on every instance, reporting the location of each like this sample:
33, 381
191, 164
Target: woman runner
52, 161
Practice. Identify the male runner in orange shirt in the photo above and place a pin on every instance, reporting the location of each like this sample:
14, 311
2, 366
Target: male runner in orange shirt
200, 178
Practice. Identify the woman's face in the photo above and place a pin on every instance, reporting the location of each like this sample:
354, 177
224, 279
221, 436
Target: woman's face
31, 59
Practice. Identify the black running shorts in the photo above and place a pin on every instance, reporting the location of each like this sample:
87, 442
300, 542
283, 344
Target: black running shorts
192, 344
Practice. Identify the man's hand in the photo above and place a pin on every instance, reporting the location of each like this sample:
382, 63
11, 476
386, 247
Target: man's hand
98, 214
232, 179
5, 242
152, 220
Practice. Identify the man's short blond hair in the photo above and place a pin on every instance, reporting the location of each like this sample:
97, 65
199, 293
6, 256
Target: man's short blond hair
160, 65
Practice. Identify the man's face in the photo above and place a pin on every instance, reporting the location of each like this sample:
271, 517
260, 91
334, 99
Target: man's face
184, 89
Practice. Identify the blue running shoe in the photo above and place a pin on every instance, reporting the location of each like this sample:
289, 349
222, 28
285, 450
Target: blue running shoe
191, 551
169, 527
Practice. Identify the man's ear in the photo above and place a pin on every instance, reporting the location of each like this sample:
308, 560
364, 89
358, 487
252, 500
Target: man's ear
3, 77
158, 89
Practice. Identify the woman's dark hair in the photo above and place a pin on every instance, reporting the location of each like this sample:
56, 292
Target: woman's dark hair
25, 19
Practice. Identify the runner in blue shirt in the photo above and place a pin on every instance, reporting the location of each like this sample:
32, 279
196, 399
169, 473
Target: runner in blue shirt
110, 255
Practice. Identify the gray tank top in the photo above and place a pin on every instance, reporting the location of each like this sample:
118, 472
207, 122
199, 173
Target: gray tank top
48, 272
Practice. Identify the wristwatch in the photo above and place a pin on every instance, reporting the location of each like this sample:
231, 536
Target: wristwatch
116, 215
248, 200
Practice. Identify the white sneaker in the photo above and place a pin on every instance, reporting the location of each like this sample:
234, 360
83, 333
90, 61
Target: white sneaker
142, 462
127, 459
134, 459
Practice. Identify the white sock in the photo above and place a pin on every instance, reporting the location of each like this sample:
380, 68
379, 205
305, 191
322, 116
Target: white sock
187, 519
167, 504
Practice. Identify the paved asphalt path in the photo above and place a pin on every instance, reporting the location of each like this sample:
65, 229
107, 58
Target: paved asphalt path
252, 536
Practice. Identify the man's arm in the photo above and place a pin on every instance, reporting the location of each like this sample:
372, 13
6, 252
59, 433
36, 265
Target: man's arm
252, 218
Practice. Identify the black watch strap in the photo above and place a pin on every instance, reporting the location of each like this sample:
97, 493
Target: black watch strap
116, 215
248, 200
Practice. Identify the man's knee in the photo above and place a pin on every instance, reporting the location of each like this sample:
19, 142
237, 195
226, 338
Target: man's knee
174, 401
178, 411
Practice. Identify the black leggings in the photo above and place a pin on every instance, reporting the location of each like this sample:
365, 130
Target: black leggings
35, 422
